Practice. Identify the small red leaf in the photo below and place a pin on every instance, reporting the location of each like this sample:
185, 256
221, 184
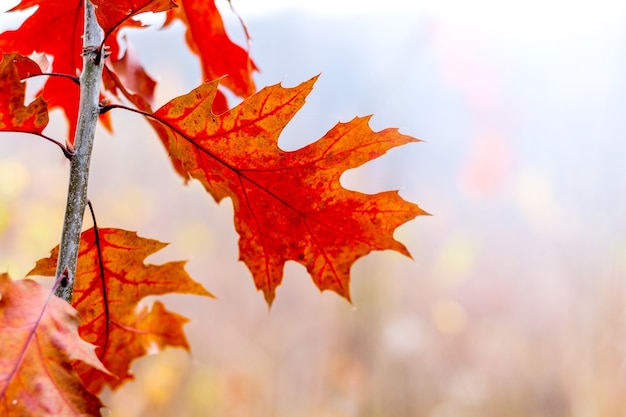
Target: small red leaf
54, 29
112, 14
220, 57
14, 115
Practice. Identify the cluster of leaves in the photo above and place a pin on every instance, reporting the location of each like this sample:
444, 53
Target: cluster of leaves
287, 205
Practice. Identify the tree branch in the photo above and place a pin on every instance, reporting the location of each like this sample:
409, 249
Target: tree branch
90, 81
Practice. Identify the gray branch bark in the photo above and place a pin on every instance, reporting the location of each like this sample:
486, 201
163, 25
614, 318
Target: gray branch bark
90, 81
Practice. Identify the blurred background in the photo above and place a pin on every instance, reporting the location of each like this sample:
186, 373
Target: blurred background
515, 302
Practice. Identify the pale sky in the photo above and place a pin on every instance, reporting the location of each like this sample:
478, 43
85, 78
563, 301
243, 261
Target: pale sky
532, 20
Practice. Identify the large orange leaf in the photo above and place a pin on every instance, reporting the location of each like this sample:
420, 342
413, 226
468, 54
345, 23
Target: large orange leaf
39, 346
56, 29
111, 279
14, 115
288, 205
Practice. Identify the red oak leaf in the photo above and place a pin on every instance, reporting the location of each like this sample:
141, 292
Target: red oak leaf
288, 205
40, 345
111, 280
14, 115
112, 14
56, 29
207, 37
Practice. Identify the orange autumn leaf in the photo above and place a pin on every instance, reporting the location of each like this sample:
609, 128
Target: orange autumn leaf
115, 320
288, 205
39, 347
14, 115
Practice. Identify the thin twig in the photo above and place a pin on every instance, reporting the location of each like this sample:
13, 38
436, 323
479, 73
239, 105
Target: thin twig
68, 154
105, 298
56, 74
